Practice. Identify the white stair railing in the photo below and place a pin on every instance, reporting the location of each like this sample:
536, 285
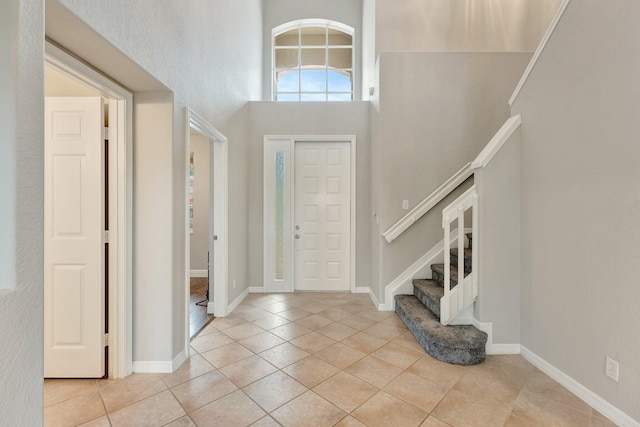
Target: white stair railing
456, 300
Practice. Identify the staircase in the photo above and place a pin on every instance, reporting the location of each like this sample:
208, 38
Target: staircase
456, 344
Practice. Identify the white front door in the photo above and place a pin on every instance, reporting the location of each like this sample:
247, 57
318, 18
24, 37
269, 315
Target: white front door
74, 277
322, 216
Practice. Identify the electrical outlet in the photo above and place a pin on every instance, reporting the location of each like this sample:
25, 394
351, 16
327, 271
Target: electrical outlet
612, 369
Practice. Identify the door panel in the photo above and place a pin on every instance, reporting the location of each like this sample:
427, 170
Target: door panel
322, 213
74, 276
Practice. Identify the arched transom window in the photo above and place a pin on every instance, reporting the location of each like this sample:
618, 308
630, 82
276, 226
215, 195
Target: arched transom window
313, 61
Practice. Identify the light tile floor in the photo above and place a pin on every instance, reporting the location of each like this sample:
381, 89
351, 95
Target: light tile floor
318, 359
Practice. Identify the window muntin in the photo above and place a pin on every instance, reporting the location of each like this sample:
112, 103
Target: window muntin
313, 61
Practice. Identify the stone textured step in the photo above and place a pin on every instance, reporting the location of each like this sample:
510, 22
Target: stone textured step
429, 293
467, 259
459, 345
437, 274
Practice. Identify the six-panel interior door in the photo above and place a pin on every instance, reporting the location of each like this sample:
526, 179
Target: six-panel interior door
322, 216
74, 277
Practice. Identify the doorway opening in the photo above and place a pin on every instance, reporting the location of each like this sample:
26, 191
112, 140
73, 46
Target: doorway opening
70, 321
206, 209
309, 213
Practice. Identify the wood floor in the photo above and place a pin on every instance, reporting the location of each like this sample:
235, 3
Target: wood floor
198, 317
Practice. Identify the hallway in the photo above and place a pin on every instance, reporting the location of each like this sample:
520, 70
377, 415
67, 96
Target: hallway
318, 359
198, 305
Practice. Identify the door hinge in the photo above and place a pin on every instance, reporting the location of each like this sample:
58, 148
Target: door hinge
106, 340
105, 236
106, 133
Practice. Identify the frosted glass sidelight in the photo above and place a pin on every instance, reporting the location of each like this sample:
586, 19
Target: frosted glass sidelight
280, 211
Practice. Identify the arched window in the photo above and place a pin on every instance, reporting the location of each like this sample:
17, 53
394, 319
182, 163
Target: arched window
313, 61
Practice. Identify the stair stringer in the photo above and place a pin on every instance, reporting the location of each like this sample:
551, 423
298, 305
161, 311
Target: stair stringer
402, 285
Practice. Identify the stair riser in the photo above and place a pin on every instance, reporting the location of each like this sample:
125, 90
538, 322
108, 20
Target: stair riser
428, 302
467, 263
439, 277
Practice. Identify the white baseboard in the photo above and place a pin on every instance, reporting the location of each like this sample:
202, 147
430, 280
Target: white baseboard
491, 347
211, 308
199, 273
376, 303
598, 403
152, 366
159, 367
236, 302
256, 289
503, 349
179, 360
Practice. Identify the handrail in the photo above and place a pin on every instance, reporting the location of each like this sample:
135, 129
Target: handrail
485, 156
498, 140
427, 204
538, 52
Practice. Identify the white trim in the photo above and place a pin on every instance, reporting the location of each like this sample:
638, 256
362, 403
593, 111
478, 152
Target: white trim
256, 290
218, 296
497, 349
153, 367
543, 43
236, 302
199, 273
428, 203
403, 283
375, 301
178, 360
276, 31
491, 149
121, 217
351, 139
592, 399
491, 347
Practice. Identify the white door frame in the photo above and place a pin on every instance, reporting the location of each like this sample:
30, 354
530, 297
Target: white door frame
219, 167
290, 141
120, 203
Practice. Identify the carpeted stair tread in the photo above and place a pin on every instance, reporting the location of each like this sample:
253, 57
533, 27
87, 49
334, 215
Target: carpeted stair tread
459, 345
429, 293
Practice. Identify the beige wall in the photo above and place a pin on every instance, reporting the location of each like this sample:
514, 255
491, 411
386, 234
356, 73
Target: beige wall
21, 211
437, 112
57, 83
200, 238
462, 26
154, 49
271, 118
580, 199
498, 187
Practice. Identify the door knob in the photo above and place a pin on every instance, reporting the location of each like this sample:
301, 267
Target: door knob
297, 227
297, 236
